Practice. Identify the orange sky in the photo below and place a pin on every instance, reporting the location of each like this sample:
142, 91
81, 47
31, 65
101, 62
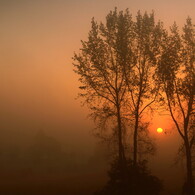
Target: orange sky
37, 41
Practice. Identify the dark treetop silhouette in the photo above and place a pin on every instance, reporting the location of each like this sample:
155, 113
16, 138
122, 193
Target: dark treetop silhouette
176, 71
124, 67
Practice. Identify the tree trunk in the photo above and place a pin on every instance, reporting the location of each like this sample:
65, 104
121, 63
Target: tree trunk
120, 143
190, 189
189, 168
137, 122
135, 140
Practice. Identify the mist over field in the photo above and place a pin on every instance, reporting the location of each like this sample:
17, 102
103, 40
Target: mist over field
47, 141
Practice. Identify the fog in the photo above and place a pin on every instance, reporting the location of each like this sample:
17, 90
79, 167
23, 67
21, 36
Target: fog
47, 144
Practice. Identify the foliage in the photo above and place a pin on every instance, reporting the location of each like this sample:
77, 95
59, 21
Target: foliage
116, 67
176, 72
100, 70
124, 67
132, 180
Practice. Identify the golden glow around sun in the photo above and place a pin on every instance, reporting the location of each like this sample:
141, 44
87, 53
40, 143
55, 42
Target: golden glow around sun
159, 130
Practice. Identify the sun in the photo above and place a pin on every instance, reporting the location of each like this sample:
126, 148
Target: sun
159, 130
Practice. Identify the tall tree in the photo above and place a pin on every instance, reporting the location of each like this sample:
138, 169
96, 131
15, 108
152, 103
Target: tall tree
176, 70
139, 75
99, 68
116, 67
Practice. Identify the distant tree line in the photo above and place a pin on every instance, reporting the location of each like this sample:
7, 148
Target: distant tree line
126, 66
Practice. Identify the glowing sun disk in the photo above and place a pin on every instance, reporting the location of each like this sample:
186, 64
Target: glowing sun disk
159, 130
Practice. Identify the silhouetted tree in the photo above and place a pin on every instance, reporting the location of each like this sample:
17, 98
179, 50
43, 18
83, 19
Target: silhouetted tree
100, 71
145, 49
176, 70
116, 66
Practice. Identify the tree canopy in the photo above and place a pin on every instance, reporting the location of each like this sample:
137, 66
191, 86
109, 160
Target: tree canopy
128, 64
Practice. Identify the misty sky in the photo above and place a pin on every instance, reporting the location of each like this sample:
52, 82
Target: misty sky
37, 85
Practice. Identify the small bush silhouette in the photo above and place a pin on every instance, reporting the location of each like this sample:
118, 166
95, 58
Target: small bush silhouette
131, 179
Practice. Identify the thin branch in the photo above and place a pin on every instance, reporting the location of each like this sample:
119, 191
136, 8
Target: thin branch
147, 106
103, 95
123, 93
150, 102
132, 99
172, 115
179, 101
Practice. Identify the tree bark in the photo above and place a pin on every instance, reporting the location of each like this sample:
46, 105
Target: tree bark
135, 140
136, 125
190, 182
120, 143
190, 190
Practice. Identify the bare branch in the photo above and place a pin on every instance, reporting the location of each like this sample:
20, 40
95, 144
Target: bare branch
172, 115
179, 101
